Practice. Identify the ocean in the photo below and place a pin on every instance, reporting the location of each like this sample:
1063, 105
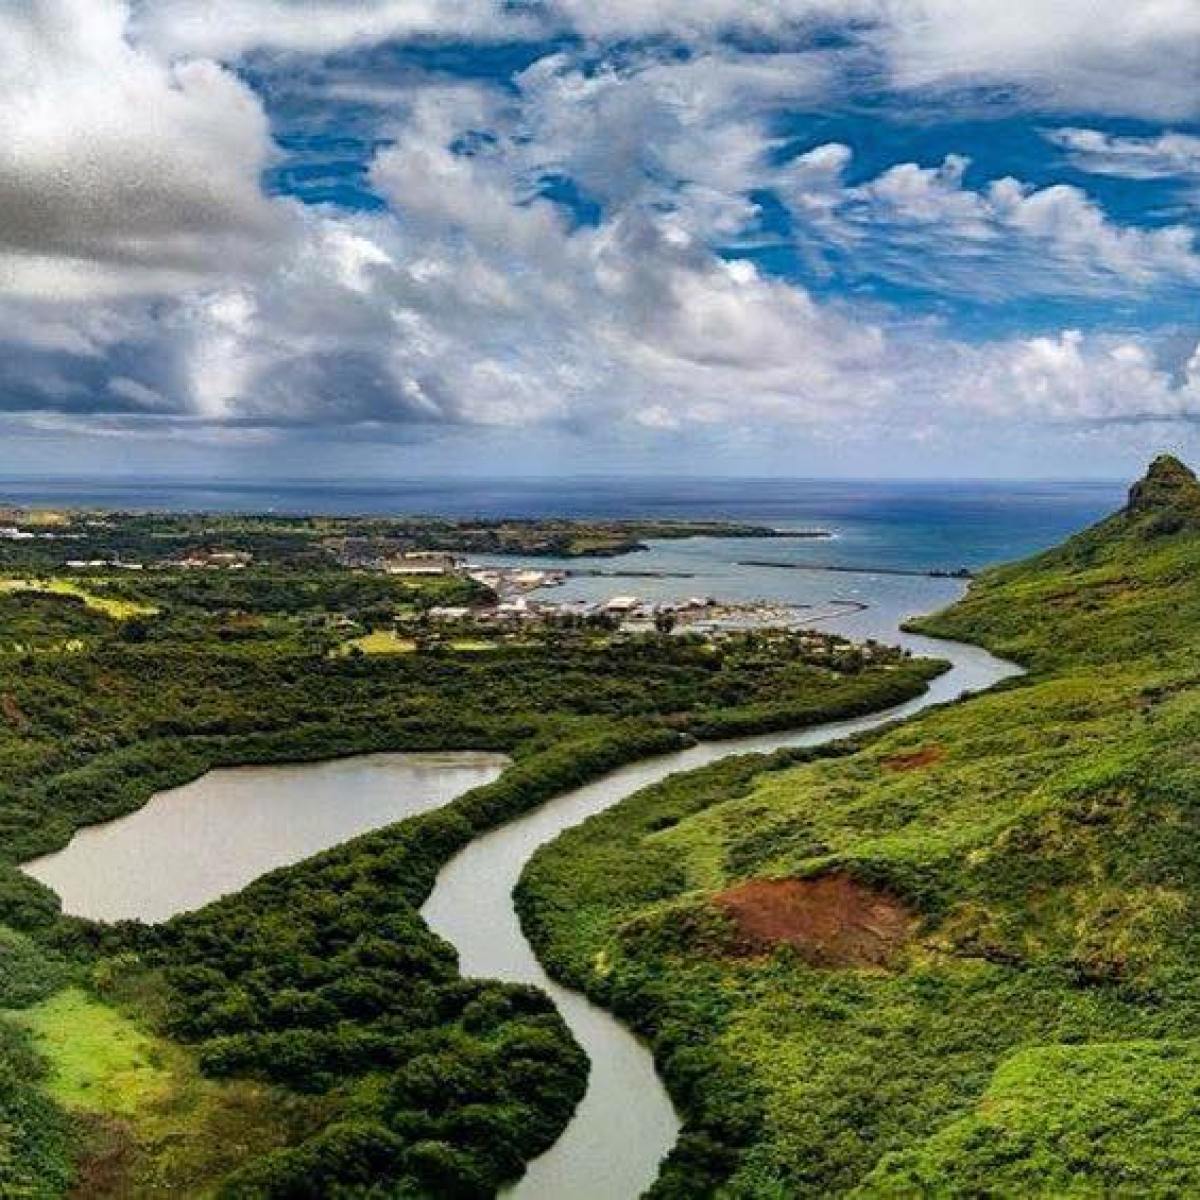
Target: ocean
905, 524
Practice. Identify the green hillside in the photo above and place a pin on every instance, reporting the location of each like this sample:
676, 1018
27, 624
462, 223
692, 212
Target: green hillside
960, 958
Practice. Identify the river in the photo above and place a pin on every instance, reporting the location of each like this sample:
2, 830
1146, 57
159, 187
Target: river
192, 844
626, 1122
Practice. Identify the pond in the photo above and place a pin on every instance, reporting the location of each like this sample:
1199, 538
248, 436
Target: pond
212, 836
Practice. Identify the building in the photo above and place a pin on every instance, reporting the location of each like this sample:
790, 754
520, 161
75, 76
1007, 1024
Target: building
515, 610
622, 604
229, 560
449, 612
417, 562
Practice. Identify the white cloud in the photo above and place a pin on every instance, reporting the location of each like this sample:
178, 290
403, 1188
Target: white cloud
138, 393
478, 303
1164, 156
149, 283
230, 29
1072, 378
1137, 58
631, 133
925, 225
118, 173
315, 26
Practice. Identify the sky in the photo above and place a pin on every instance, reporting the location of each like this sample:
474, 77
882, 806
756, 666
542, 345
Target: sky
385, 238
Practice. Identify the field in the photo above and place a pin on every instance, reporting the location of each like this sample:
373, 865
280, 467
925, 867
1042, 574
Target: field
379, 641
97, 1060
958, 958
387, 641
117, 609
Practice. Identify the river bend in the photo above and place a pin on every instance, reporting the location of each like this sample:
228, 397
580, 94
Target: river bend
626, 1123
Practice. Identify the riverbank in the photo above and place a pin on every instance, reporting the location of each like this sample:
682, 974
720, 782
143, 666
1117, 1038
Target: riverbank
626, 1122
960, 958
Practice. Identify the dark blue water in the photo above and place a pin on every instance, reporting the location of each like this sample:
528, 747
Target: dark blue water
918, 525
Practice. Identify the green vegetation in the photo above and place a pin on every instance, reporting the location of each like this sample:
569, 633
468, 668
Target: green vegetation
34, 1132
97, 1059
1032, 1033
310, 1036
1092, 1120
47, 624
28, 972
389, 641
140, 1118
315, 543
379, 641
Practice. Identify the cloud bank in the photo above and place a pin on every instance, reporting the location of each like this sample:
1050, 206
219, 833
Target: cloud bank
583, 243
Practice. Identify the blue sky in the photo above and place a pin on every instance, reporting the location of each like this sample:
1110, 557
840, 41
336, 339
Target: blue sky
393, 237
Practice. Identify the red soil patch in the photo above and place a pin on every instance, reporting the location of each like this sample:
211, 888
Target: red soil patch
833, 920
917, 759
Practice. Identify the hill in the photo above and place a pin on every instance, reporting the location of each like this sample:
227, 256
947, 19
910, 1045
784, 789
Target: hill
958, 958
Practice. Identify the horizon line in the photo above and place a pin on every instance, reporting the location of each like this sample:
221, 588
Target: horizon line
199, 481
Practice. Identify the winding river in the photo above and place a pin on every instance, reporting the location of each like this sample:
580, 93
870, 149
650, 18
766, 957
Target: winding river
192, 844
626, 1122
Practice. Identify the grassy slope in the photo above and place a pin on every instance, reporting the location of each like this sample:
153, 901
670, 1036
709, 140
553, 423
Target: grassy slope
1032, 1037
144, 1119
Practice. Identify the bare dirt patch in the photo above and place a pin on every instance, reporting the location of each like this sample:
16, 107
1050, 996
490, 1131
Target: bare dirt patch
926, 756
11, 711
832, 921
105, 1154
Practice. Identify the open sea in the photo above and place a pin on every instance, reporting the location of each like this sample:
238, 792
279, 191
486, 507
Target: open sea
919, 524
908, 525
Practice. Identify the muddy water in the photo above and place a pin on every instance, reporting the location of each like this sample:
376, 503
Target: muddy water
626, 1123
191, 844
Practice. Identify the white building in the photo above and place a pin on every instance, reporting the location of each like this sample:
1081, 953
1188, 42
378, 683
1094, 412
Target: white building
417, 563
622, 604
447, 612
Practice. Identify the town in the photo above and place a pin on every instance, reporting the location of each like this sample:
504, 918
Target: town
383, 589
517, 603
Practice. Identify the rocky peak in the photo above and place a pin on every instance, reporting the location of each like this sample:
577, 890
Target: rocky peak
1167, 485
1165, 501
